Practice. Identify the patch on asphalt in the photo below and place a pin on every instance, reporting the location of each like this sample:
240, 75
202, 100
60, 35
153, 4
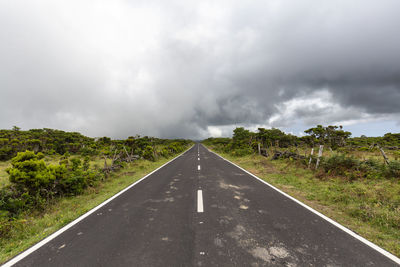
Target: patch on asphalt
261, 253
167, 199
225, 220
267, 253
228, 186
218, 242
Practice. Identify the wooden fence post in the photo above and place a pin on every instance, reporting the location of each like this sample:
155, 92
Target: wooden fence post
321, 149
383, 155
309, 162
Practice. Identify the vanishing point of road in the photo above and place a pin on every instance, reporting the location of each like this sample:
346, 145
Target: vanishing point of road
201, 210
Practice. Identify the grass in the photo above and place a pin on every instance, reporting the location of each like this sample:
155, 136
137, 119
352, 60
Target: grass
369, 207
3, 174
33, 227
362, 155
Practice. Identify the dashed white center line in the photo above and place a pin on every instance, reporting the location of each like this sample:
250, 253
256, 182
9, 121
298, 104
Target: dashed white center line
198, 167
200, 201
198, 158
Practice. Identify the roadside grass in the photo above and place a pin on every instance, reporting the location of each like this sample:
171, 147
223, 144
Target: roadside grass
3, 174
31, 227
361, 155
369, 207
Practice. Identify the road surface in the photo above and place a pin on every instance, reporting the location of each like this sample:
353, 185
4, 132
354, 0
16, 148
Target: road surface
200, 210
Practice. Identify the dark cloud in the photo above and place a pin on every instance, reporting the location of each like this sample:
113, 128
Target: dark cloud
183, 69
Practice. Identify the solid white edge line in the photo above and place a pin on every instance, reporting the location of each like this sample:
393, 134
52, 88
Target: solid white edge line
80, 218
343, 228
200, 207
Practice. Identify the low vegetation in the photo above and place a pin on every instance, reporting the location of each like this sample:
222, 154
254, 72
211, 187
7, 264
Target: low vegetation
357, 182
41, 180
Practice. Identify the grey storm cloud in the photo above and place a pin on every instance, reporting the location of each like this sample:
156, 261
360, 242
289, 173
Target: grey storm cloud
176, 68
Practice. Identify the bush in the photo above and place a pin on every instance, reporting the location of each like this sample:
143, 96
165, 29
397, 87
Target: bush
32, 182
392, 170
175, 147
165, 153
148, 153
372, 168
10, 201
73, 178
340, 164
354, 168
30, 174
88, 151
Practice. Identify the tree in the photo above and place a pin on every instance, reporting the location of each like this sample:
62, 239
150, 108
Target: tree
16, 128
271, 137
241, 137
332, 135
318, 133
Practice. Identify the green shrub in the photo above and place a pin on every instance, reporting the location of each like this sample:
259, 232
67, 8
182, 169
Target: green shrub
164, 153
72, 184
74, 178
51, 152
148, 153
392, 170
32, 182
29, 173
10, 201
175, 147
86, 163
339, 164
88, 151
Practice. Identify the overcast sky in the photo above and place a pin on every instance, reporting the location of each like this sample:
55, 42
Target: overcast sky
199, 68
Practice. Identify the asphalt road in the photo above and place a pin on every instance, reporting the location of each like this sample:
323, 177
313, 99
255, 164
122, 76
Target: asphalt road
200, 210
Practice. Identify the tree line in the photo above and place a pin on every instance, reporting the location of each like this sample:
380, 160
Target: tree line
342, 161
244, 141
57, 142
